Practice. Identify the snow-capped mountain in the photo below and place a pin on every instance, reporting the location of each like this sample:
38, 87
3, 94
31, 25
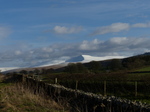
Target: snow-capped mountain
3, 69
88, 58
80, 58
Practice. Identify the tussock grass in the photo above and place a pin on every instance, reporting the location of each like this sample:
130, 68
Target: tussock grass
15, 98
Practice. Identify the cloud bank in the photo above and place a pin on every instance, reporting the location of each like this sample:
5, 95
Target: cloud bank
120, 46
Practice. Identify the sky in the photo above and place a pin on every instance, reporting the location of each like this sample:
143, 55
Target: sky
33, 32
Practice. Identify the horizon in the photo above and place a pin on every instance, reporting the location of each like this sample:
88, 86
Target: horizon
35, 31
77, 59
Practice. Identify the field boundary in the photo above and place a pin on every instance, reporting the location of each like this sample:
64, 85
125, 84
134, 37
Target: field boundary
84, 101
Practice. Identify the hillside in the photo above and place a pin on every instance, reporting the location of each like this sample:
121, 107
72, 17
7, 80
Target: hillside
88, 58
45, 65
119, 74
111, 63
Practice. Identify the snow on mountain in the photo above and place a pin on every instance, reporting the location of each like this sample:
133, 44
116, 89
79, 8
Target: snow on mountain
3, 69
55, 62
80, 58
88, 58
92, 58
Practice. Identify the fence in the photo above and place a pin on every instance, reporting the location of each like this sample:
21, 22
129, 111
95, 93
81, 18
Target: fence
109, 87
85, 101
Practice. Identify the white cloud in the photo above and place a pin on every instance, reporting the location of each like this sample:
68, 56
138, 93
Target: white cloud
114, 46
18, 52
66, 30
4, 32
46, 49
119, 41
118, 27
141, 25
86, 45
115, 27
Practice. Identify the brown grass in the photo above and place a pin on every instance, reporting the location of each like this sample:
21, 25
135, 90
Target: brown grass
14, 98
1, 77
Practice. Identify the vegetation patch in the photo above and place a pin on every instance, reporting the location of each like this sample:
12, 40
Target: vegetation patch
147, 68
15, 98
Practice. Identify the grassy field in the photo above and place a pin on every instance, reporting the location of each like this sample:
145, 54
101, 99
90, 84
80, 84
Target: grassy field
144, 69
120, 84
14, 98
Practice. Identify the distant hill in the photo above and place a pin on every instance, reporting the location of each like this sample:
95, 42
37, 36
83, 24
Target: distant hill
3, 69
88, 58
61, 63
107, 62
147, 53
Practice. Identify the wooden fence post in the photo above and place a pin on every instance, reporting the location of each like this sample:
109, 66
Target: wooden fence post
76, 85
38, 77
55, 80
23, 78
105, 84
135, 88
32, 76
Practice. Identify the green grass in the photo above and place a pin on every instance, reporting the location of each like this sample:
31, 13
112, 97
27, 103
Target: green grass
144, 69
138, 76
124, 87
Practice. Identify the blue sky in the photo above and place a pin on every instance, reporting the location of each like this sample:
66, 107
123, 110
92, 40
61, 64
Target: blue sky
39, 31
